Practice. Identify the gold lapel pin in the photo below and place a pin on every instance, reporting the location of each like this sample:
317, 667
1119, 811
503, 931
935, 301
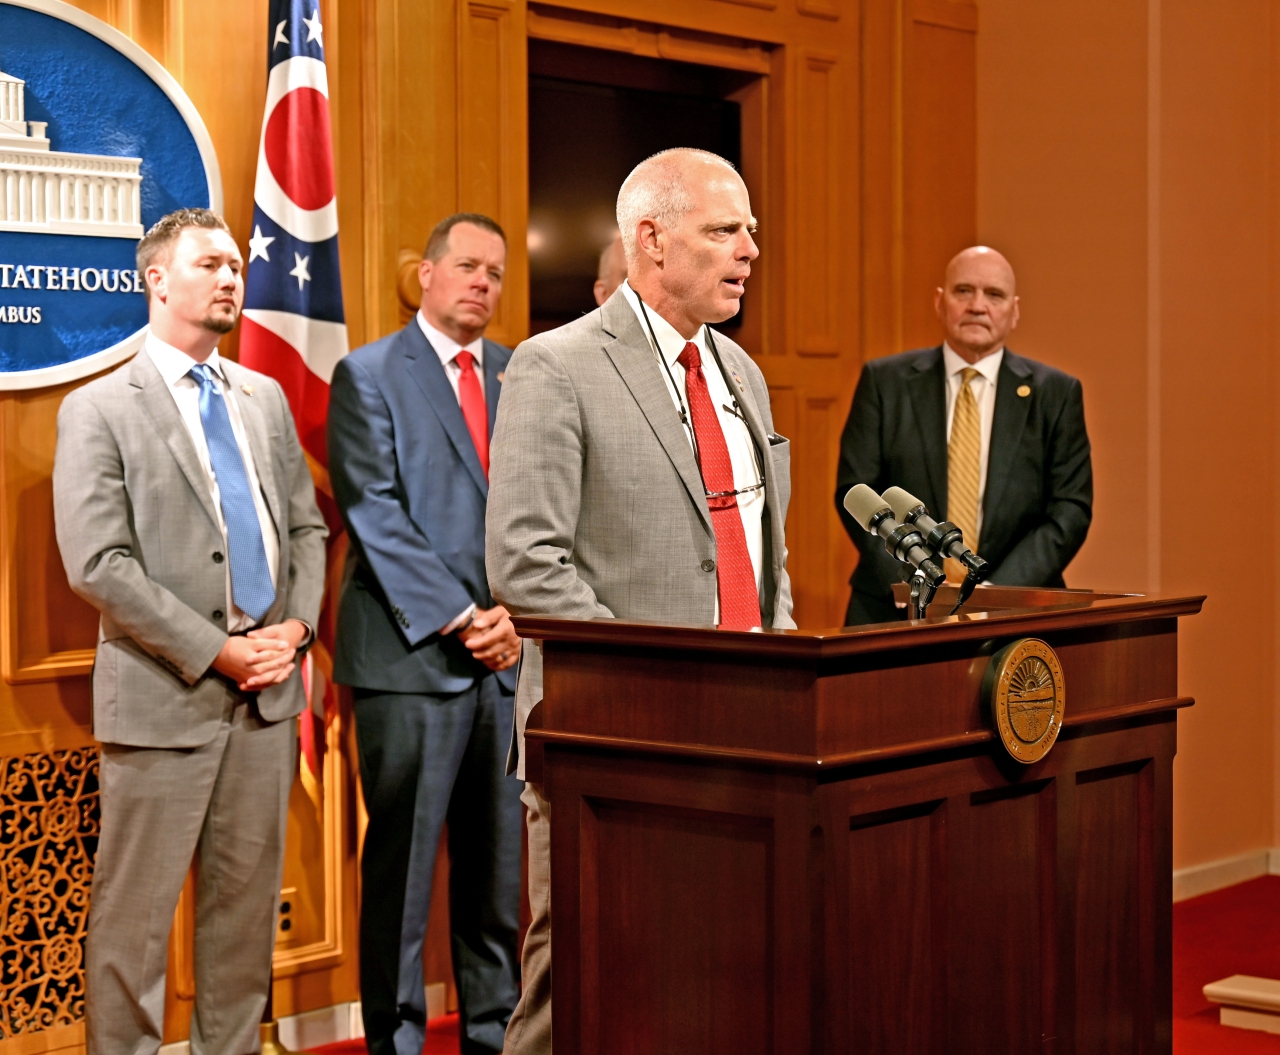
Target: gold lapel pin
1024, 390
247, 389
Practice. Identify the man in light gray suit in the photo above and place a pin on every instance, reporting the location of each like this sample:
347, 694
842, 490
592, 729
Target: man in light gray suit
635, 473
186, 515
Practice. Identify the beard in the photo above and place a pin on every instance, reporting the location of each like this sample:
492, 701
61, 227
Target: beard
217, 323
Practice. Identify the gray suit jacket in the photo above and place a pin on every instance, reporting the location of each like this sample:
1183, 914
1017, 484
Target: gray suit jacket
596, 506
139, 534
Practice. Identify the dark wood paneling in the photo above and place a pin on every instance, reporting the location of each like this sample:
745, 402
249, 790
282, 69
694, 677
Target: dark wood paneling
1001, 900
867, 700
703, 881
1113, 855
933, 901
897, 930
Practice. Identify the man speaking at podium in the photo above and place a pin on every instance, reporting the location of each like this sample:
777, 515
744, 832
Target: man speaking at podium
635, 471
991, 441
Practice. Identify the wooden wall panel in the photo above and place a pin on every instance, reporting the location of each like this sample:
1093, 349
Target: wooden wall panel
920, 157
813, 537
818, 251
829, 9
492, 151
760, 315
46, 631
939, 147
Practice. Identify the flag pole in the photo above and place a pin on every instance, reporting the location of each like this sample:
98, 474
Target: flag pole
293, 324
269, 1030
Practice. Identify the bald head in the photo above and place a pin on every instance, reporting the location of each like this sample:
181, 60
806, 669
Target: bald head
686, 225
977, 303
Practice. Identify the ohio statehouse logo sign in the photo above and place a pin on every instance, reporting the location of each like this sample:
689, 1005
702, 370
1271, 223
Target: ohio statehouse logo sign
97, 142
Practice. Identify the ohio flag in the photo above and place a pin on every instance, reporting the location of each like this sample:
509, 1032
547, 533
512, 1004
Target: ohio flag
293, 327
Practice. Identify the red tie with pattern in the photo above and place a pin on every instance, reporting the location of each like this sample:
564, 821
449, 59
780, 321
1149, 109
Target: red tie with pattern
736, 578
473, 408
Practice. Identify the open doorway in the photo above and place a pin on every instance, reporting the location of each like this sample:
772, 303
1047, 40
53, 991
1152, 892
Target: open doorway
593, 116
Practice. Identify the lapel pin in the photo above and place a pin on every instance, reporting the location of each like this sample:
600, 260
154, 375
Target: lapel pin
247, 389
741, 386
1024, 390
501, 376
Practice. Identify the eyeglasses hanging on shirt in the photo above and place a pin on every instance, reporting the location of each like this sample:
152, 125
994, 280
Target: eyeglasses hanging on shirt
735, 411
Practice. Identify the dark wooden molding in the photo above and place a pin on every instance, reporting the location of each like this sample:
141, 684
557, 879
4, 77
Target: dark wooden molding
817, 764
816, 645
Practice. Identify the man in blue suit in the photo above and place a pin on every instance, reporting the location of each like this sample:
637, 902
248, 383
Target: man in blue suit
429, 654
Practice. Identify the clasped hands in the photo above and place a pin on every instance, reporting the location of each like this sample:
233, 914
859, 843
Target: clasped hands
262, 657
491, 638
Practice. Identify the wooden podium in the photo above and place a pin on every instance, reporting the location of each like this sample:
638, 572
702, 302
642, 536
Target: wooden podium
813, 842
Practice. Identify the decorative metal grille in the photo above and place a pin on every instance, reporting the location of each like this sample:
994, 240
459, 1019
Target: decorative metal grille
48, 840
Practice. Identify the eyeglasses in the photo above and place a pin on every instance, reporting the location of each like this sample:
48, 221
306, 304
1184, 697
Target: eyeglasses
734, 410
755, 457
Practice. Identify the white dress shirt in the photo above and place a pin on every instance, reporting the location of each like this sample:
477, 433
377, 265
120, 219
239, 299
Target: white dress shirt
447, 349
175, 368
737, 436
984, 391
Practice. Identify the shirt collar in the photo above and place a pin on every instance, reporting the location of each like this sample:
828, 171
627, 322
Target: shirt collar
445, 346
669, 339
174, 364
988, 366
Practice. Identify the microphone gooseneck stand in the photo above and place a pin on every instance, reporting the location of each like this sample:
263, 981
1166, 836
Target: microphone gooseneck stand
922, 591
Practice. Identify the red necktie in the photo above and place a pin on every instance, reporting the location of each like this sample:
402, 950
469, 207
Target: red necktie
736, 578
473, 408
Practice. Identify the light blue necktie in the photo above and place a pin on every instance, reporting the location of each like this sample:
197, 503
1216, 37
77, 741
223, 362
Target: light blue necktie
251, 587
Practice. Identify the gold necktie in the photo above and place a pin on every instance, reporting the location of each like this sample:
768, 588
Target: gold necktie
964, 468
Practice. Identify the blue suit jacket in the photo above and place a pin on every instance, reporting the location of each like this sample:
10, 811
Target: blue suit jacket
408, 481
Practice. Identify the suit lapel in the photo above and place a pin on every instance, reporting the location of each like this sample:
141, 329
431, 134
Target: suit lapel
428, 374
633, 358
760, 436
1006, 433
928, 392
255, 428
755, 424
492, 382
158, 402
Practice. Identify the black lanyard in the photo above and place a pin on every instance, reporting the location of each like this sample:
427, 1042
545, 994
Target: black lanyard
735, 410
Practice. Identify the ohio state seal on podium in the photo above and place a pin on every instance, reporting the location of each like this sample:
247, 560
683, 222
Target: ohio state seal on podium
1025, 692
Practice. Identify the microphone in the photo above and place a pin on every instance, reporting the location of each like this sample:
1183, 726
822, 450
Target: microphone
904, 541
944, 538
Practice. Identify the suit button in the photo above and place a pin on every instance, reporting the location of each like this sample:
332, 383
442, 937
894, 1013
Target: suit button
217, 613
708, 565
217, 558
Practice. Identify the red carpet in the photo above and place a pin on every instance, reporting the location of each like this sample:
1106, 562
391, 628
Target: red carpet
1232, 931
442, 1039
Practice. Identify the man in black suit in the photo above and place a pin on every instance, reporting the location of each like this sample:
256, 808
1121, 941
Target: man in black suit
987, 439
